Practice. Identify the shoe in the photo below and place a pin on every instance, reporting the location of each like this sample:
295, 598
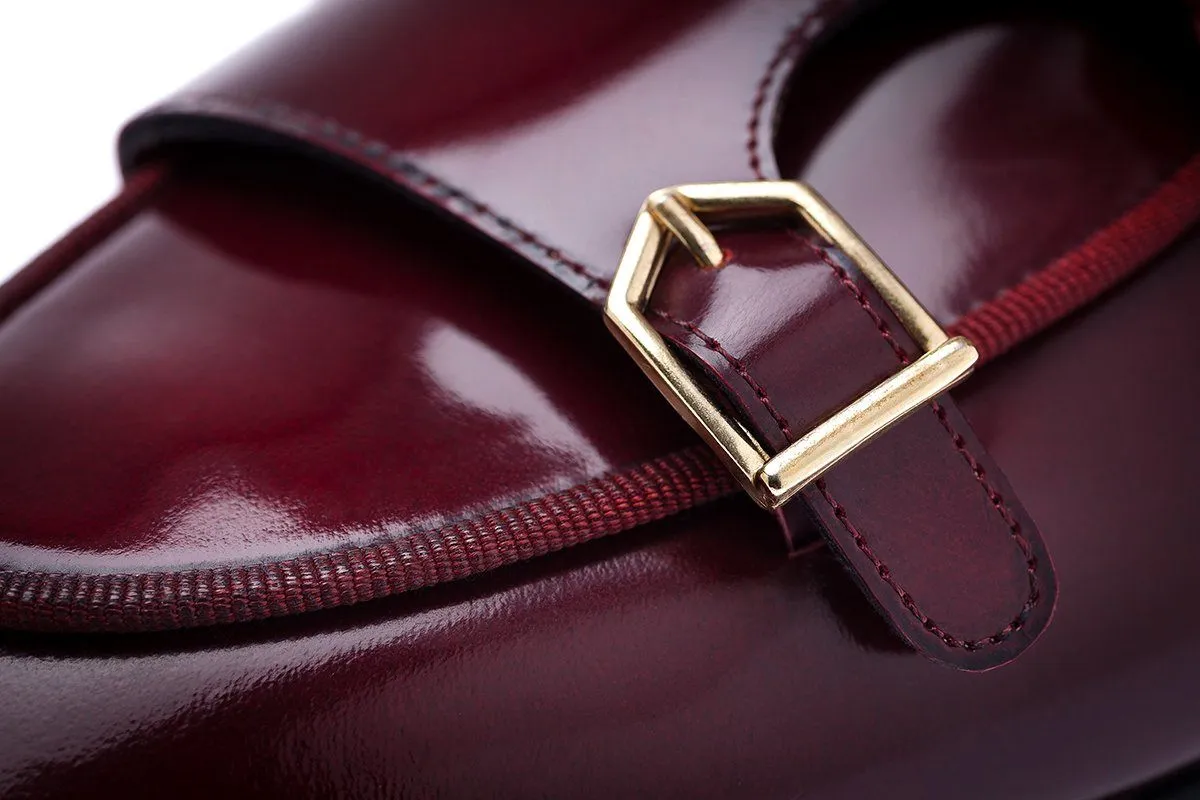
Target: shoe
764, 398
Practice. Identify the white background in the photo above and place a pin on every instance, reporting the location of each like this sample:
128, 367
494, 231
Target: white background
71, 72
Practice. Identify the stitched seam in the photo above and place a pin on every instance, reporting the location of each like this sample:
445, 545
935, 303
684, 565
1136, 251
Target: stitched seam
960, 445
374, 150
738, 366
842, 514
798, 35
398, 166
885, 574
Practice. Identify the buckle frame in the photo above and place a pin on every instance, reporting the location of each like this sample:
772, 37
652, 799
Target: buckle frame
675, 214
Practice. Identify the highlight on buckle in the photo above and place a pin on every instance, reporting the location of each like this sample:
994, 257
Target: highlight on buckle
771, 479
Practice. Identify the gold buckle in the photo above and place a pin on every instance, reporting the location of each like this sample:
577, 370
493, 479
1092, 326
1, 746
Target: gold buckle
771, 479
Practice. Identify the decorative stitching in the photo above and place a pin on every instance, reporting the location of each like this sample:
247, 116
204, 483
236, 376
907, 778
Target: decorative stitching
842, 514
1014, 314
885, 574
738, 366
396, 164
799, 34
997, 500
863, 301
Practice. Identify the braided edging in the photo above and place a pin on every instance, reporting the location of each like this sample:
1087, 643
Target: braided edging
148, 601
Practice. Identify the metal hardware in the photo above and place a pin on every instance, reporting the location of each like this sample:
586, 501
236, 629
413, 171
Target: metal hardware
771, 479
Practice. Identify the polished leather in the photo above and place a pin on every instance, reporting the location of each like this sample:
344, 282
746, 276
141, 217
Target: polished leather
690, 655
269, 93
922, 516
1024, 142
314, 386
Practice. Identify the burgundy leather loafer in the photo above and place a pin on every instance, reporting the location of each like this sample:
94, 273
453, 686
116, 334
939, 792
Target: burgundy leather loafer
759, 398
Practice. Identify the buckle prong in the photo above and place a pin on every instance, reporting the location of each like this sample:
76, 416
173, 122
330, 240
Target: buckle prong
672, 210
771, 479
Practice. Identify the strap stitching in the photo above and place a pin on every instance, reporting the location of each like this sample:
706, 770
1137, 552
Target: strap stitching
801, 33
395, 163
738, 366
840, 511
407, 171
997, 500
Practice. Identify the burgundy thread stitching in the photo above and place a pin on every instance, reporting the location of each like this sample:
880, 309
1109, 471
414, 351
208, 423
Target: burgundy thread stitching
799, 34
840, 511
907, 600
960, 445
983, 322
865, 302
346, 138
739, 367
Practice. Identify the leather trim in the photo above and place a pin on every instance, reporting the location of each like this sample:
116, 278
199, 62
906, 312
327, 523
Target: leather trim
148, 601
995, 324
205, 116
763, 108
266, 122
140, 187
924, 519
273, 124
1106, 258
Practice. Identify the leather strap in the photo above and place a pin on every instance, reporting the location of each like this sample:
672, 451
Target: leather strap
788, 333
922, 518
516, 141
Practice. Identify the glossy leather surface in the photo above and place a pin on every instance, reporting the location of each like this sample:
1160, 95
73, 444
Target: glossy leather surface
689, 656
922, 516
1046, 123
967, 257
237, 376
1005, 135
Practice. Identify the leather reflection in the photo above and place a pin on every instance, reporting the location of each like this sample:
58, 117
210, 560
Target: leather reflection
614, 635
471, 378
274, 359
1014, 131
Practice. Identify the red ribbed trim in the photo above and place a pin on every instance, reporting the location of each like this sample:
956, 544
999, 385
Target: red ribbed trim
1106, 258
212, 596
